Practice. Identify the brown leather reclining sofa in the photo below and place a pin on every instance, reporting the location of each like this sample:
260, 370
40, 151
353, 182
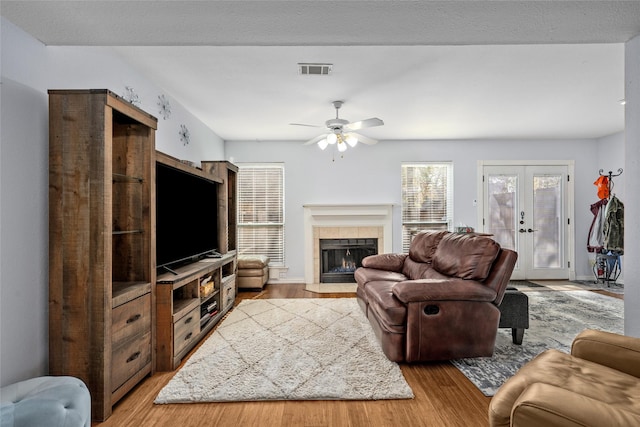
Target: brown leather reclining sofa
438, 302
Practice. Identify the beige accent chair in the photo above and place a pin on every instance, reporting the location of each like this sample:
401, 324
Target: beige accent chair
598, 384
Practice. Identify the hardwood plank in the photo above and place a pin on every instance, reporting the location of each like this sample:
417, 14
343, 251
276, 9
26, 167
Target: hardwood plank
443, 397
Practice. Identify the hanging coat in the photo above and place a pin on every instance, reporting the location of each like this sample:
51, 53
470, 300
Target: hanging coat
613, 229
603, 187
595, 241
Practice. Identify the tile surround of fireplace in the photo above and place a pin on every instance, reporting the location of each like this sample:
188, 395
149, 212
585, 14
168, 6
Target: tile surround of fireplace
343, 222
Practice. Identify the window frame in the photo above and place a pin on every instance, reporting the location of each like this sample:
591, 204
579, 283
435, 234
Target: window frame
411, 223
277, 255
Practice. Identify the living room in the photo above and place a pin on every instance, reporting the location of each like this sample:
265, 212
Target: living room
366, 174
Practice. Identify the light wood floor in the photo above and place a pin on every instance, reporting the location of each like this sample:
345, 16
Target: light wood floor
443, 397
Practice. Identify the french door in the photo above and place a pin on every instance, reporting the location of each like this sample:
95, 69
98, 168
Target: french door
527, 209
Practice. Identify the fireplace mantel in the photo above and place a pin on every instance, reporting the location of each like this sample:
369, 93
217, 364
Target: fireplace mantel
357, 220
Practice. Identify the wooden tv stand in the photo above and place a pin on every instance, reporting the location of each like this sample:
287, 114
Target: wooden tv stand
182, 301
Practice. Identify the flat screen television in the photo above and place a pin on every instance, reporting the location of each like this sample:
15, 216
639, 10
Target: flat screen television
186, 216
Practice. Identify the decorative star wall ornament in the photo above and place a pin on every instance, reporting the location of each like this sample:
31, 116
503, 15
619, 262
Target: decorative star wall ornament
184, 135
164, 107
131, 96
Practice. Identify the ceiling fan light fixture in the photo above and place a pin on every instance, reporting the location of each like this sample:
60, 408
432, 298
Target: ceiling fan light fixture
351, 140
342, 146
323, 143
332, 138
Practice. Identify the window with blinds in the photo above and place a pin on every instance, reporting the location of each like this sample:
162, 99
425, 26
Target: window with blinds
261, 210
427, 199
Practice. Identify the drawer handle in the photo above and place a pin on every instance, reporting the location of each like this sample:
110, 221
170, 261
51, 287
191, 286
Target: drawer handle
188, 336
133, 357
134, 318
188, 320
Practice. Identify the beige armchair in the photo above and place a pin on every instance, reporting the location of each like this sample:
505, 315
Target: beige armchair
598, 384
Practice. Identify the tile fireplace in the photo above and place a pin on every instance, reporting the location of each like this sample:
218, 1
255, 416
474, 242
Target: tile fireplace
365, 223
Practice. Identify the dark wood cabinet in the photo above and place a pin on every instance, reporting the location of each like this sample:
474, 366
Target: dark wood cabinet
101, 242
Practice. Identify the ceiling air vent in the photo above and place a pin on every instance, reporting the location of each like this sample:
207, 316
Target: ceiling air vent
314, 69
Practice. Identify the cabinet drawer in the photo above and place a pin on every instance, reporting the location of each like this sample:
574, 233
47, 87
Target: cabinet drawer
131, 319
229, 292
185, 330
129, 358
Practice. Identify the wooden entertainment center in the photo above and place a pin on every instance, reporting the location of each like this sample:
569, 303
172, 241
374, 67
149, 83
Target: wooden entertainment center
112, 319
194, 297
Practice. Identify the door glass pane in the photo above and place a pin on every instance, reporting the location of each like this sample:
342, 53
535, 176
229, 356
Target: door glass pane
502, 209
547, 218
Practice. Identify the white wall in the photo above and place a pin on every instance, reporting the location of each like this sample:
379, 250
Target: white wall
28, 69
371, 174
632, 174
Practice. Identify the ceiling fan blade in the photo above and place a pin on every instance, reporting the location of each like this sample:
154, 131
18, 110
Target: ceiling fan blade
374, 121
316, 139
303, 124
364, 139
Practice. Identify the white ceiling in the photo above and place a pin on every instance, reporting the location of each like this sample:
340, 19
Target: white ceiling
429, 69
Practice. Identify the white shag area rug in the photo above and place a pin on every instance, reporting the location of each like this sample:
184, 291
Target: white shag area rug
289, 349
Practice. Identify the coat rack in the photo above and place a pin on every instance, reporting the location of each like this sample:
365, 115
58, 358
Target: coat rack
607, 265
610, 176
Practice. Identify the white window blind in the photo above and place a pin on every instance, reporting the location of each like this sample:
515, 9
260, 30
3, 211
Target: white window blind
427, 199
261, 210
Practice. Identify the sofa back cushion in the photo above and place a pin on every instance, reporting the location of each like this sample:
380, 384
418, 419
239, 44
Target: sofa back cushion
424, 245
467, 256
421, 251
415, 270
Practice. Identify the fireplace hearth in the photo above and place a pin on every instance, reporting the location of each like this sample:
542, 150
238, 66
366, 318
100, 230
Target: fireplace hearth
339, 258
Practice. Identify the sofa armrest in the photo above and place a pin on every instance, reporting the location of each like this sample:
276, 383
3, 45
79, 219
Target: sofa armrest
616, 351
387, 262
547, 405
442, 290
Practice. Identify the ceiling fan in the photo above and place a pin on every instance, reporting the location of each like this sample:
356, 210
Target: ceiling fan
342, 132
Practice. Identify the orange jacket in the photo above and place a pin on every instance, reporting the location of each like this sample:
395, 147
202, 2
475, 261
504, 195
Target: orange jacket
603, 187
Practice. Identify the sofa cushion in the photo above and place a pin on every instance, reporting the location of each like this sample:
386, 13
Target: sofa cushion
586, 379
388, 309
388, 262
452, 289
466, 256
365, 275
424, 244
415, 270
252, 261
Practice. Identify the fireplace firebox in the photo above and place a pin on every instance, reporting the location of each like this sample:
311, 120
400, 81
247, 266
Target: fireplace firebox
339, 258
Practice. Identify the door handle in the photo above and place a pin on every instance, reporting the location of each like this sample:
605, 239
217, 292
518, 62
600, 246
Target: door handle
522, 230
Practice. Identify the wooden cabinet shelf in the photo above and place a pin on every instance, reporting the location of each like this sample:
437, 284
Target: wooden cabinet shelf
121, 292
101, 287
184, 316
118, 177
183, 306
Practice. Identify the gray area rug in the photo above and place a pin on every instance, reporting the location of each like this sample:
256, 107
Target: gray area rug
616, 288
289, 349
555, 318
